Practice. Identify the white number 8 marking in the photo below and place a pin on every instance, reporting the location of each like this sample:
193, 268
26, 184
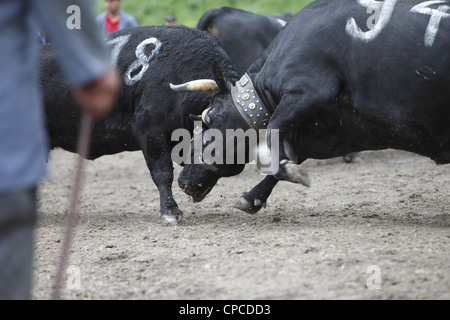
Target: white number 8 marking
142, 60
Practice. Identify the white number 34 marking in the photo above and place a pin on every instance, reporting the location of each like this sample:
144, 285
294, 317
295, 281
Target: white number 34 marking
385, 9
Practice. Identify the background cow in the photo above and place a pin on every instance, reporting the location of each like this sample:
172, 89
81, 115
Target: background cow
147, 111
243, 35
331, 85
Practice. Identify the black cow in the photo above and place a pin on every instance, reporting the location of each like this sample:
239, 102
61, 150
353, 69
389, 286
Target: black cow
147, 111
243, 35
332, 85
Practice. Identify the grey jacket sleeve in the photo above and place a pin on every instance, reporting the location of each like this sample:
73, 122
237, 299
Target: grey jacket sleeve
101, 24
75, 35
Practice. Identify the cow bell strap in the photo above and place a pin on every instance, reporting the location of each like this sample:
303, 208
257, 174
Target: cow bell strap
249, 105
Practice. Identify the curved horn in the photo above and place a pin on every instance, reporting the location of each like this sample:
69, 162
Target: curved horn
202, 85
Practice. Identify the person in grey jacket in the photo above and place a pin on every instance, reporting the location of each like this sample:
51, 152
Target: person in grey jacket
114, 18
85, 62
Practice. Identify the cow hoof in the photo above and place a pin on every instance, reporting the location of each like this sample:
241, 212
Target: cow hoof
349, 157
293, 172
172, 218
352, 158
249, 207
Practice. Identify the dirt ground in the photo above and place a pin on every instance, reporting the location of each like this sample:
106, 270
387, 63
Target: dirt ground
375, 229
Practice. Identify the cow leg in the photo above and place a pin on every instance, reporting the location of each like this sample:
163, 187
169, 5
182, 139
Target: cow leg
290, 112
287, 169
161, 170
157, 153
255, 199
156, 147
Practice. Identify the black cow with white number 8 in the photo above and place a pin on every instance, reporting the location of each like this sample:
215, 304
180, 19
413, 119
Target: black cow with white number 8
147, 110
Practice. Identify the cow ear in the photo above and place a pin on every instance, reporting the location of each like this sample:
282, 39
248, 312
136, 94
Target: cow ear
220, 78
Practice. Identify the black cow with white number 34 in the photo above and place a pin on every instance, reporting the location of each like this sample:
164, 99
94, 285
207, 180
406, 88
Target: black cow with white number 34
147, 110
333, 82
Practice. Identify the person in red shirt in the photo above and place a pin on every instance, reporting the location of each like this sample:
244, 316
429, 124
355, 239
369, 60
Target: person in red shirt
114, 18
111, 23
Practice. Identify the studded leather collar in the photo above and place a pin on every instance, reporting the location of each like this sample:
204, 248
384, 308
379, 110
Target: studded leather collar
249, 105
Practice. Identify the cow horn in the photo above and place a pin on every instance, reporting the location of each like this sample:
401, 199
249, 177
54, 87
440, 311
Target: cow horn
202, 85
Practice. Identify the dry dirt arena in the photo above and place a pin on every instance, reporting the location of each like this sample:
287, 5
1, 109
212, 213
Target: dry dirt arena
375, 229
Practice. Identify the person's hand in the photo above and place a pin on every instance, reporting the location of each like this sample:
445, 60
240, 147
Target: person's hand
99, 97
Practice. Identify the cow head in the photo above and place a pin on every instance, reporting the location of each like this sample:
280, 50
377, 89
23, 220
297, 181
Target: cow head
219, 157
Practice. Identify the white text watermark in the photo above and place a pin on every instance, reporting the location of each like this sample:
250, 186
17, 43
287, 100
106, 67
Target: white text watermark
241, 147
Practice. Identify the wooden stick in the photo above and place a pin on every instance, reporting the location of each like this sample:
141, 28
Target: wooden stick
83, 145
